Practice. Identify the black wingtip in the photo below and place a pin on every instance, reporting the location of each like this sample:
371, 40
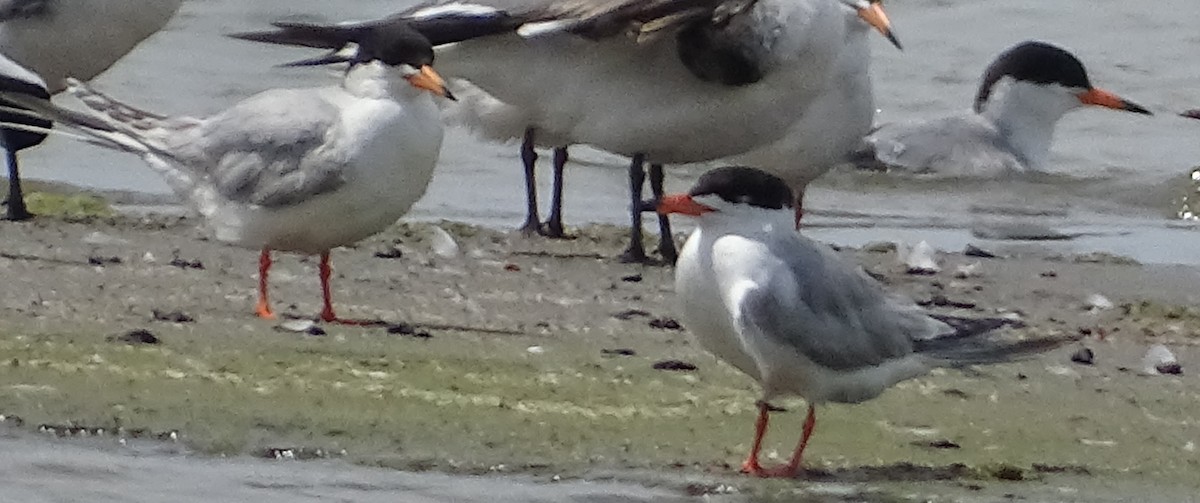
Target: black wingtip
331, 58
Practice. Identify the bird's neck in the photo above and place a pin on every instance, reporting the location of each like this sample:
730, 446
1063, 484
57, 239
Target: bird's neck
1025, 115
747, 221
378, 81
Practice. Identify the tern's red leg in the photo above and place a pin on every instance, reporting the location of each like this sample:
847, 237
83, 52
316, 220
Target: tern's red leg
793, 466
327, 314
751, 465
263, 309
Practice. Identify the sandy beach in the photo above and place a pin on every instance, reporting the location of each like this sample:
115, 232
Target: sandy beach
505, 355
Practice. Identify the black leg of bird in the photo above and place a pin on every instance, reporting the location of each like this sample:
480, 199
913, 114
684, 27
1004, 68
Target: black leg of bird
16, 197
666, 242
529, 157
636, 252
554, 225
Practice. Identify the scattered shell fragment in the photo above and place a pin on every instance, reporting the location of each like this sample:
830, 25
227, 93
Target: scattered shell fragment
1160, 360
1096, 303
443, 243
920, 259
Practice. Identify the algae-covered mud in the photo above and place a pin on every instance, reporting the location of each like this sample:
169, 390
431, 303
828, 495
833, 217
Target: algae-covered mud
548, 360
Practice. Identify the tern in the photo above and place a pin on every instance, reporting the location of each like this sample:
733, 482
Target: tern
1021, 97
17, 79
659, 81
79, 38
299, 170
790, 313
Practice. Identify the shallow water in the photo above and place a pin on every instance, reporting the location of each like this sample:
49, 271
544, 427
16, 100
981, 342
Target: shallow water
1117, 172
35, 470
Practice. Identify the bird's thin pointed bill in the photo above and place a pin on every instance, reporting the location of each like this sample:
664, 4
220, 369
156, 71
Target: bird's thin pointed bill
682, 204
874, 15
1191, 114
1101, 98
429, 80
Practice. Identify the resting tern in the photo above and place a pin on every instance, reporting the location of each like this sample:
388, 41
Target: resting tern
1021, 97
695, 81
790, 313
78, 38
300, 170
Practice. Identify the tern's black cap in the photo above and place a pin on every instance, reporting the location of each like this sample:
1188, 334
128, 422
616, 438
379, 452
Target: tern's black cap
394, 44
737, 184
1034, 62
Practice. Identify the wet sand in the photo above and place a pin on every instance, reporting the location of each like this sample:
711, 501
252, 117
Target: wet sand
533, 358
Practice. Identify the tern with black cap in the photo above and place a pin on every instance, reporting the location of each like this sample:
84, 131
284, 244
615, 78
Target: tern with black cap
298, 170
660, 81
55, 39
791, 314
1020, 99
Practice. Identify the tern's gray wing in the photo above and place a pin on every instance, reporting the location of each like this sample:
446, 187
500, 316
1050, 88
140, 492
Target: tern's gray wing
23, 9
960, 145
272, 150
449, 21
832, 312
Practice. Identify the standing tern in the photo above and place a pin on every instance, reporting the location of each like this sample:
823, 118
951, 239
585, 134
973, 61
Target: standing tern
695, 81
78, 38
790, 313
17, 79
1021, 97
300, 170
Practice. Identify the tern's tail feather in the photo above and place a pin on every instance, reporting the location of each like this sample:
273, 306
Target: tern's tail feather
112, 124
971, 343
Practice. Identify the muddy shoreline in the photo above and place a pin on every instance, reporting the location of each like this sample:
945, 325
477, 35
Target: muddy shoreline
537, 357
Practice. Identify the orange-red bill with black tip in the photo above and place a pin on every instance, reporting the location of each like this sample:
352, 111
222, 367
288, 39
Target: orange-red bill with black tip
874, 15
429, 80
682, 204
1101, 98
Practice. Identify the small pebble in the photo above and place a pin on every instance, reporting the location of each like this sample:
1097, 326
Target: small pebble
175, 316
965, 271
138, 336
674, 365
975, 251
391, 253
1084, 356
300, 326
665, 324
618, 352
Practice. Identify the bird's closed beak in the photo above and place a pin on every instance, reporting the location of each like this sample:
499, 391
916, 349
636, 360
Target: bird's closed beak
1101, 98
1191, 114
872, 12
429, 80
682, 204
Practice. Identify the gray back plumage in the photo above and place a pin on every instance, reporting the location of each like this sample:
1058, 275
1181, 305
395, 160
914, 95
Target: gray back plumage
843, 319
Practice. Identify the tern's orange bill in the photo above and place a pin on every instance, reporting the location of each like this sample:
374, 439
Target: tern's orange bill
1101, 98
682, 204
429, 80
874, 15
